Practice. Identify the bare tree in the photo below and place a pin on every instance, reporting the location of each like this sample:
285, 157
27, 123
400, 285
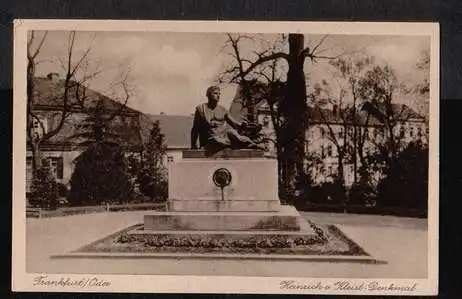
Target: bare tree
70, 95
33, 120
331, 119
348, 72
293, 107
379, 87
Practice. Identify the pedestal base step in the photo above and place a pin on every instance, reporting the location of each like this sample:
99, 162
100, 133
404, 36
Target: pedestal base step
213, 205
287, 219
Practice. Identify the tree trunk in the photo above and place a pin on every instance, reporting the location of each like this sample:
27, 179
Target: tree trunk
340, 171
36, 157
294, 110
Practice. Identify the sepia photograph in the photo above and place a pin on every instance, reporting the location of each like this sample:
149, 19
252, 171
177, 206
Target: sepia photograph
231, 157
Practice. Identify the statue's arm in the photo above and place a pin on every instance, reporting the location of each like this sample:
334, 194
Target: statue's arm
195, 130
233, 121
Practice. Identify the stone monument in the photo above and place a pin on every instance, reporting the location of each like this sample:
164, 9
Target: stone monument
226, 185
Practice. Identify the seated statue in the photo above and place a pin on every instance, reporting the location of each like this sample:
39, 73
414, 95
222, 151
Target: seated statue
216, 129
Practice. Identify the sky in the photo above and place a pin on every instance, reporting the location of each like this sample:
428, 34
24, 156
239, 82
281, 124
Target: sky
170, 72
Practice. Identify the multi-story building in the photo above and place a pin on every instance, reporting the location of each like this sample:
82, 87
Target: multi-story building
323, 135
329, 127
131, 125
61, 149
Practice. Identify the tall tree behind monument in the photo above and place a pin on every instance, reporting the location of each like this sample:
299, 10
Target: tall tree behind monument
293, 107
152, 178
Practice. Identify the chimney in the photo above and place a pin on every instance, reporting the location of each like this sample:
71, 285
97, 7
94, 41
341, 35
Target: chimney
54, 77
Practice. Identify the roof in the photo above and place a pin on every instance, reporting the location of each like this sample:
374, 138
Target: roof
368, 114
49, 93
400, 111
176, 128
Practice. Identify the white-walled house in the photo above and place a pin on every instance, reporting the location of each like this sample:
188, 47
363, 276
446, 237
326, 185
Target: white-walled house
60, 150
324, 135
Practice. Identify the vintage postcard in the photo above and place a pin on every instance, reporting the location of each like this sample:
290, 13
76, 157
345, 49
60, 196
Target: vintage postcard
225, 157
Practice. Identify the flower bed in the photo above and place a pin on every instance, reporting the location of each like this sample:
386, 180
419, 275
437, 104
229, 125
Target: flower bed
327, 240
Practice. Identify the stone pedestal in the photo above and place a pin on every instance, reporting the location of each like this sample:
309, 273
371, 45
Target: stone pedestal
253, 185
247, 203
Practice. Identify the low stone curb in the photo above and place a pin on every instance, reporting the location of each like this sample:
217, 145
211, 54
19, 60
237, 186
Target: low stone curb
311, 258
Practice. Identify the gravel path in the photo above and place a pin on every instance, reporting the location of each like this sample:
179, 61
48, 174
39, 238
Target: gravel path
402, 242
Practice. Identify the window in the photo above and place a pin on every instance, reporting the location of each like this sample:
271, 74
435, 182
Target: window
266, 121
401, 132
29, 163
323, 133
169, 159
56, 166
411, 132
367, 133
329, 150
382, 132
340, 133
419, 132
329, 170
322, 151
40, 125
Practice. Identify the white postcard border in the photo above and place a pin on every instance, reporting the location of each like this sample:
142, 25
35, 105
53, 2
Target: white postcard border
22, 281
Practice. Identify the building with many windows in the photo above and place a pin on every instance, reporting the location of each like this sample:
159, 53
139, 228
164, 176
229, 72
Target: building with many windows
329, 127
324, 135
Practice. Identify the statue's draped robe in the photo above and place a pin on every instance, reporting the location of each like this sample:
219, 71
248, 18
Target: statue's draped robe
213, 127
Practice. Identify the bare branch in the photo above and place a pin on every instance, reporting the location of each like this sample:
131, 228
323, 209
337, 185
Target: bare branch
42, 41
319, 44
263, 59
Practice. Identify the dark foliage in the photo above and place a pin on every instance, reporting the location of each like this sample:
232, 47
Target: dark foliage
44, 189
406, 181
153, 186
152, 178
63, 191
100, 175
101, 171
362, 194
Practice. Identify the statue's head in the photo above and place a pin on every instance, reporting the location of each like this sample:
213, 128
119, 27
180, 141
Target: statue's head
213, 94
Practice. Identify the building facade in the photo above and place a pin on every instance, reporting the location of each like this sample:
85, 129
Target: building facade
61, 149
329, 128
325, 135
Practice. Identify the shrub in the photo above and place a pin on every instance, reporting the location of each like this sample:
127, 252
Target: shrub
44, 188
331, 192
406, 182
361, 194
153, 186
63, 191
100, 175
